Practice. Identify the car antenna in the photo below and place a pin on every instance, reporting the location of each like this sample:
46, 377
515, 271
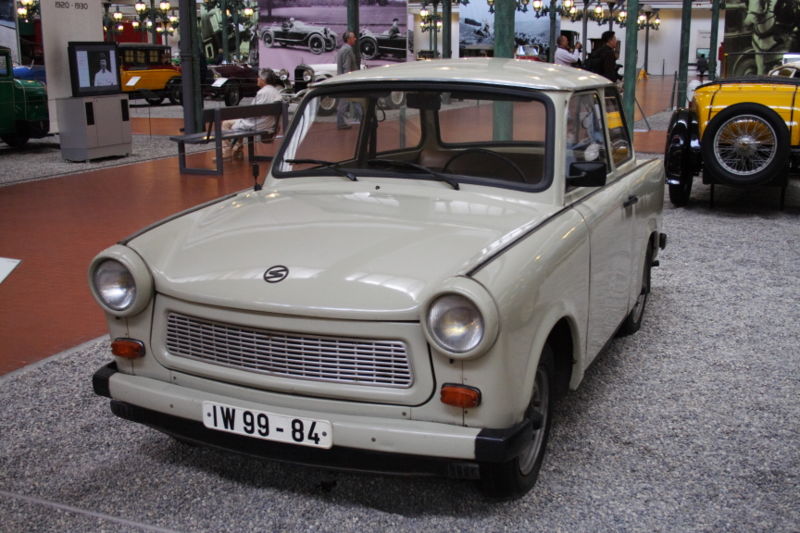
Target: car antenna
256, 171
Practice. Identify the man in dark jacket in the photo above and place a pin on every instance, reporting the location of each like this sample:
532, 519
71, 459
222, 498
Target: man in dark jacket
603, 60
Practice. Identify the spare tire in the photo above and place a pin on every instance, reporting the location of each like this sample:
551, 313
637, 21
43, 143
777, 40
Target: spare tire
745, 144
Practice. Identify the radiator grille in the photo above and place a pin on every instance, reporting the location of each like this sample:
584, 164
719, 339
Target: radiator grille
382, 363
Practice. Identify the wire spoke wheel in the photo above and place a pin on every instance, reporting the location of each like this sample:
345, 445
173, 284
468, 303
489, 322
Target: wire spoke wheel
745, 145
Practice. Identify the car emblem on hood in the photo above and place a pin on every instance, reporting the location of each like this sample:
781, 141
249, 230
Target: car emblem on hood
276, 273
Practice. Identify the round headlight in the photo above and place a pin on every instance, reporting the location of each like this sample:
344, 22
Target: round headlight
120, 281
307, 75
114, 284
455, 323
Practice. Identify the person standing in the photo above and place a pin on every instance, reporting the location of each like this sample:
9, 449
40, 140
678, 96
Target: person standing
345, 62
603, 59
702, 66
563, 55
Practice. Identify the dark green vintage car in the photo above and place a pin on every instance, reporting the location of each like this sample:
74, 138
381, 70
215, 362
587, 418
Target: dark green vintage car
23, 105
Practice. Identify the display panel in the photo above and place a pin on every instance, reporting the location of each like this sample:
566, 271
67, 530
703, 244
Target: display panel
94, 68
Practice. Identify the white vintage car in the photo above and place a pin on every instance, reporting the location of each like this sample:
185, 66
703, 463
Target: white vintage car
410, 293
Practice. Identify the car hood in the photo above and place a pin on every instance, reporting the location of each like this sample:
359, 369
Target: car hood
353, 250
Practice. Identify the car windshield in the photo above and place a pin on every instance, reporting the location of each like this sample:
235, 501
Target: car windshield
453, 136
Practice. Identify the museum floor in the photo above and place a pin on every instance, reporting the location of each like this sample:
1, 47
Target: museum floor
55, 226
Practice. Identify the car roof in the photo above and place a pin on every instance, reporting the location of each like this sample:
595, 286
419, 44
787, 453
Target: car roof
490, 71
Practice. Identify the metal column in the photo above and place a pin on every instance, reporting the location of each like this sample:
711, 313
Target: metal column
683, 64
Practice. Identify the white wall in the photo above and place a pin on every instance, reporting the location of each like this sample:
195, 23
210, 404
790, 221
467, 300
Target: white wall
664, 44
8, 37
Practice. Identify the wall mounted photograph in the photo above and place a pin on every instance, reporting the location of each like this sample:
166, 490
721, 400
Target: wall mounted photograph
295, 32
757, 35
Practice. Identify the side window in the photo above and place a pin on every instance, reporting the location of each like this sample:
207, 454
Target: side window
586, 140
3, 65
617, 131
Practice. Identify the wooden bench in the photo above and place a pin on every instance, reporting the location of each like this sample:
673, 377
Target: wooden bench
213, 119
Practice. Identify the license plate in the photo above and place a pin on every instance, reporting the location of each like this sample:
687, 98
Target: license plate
268, 426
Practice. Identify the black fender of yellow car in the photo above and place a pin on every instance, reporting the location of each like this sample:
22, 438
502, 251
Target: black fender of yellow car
682, 156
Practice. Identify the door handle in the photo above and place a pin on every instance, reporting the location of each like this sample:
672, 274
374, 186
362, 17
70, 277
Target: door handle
632, 199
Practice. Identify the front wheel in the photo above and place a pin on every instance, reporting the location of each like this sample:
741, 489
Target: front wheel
679, 194
633, 321
268, 39
233, 94
516, 477
316, 44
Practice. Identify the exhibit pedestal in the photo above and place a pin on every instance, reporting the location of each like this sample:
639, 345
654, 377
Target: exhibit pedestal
92, 127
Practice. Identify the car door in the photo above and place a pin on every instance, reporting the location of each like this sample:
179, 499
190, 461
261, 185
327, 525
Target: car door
606, 211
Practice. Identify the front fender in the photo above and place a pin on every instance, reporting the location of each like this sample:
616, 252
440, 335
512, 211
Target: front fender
682, 156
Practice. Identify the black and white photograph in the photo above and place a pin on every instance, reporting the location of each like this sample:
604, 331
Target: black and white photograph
310, 32
758, 33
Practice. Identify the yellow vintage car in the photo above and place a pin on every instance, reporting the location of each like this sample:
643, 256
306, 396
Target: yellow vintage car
741, 133
147, 72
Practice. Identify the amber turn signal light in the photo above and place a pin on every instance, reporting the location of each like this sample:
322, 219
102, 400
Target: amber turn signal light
460, 395
127, 348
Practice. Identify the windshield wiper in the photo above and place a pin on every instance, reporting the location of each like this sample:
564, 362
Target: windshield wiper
391, 163
325, 164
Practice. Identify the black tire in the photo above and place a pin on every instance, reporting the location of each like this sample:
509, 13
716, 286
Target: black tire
679, 167
154, 100
330, 43
679, 194
233, 94
744, 66
15, 141
745, 144
268, 39
516, 477
175, 91
633, 321
316, 44
369, 48
327, 105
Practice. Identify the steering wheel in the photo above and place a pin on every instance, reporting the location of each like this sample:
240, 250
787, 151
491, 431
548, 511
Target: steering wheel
483, 152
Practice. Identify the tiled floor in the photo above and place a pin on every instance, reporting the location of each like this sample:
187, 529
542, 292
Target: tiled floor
56, 226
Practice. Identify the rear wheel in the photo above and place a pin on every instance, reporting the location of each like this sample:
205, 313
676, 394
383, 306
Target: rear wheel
369, 48
15, 141
516, 477
154, 100
745, 144
174, 92
316, 44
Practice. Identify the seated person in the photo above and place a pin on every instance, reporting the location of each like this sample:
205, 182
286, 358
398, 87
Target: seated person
269, 92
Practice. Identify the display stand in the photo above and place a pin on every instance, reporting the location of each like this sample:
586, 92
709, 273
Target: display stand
92, 127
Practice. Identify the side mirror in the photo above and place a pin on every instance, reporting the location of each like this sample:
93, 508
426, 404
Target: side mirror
587, 174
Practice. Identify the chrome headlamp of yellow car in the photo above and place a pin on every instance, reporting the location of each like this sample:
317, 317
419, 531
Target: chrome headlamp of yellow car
120, 281
461, 319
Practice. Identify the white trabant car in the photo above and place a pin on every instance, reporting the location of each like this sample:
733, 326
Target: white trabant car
410, 292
